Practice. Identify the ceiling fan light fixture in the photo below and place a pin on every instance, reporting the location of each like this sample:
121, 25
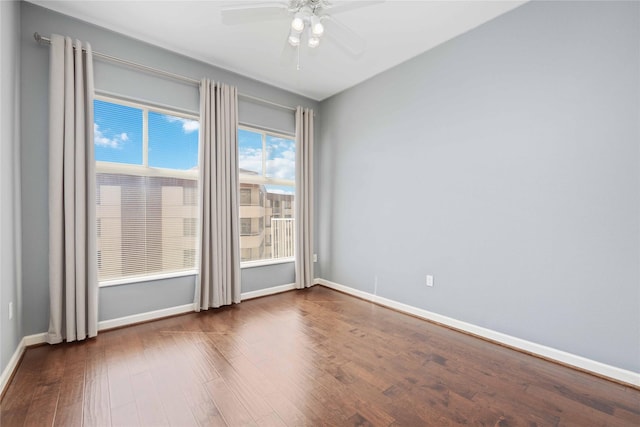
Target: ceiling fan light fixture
313, 42
294, 38
297, 24
317, 29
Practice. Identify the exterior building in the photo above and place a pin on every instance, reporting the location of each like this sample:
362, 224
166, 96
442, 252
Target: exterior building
145, 225
266, 223
149, 225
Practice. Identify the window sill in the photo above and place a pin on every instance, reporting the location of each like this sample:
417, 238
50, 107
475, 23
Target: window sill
265, 262
140, 279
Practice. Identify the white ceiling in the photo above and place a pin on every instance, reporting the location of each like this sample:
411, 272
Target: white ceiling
395, 31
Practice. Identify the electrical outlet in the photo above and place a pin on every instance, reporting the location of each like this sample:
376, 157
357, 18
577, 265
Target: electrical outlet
10, 310
429, 280
315, 257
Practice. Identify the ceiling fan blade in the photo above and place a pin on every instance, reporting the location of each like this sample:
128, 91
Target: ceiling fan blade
343, 36
235, 13
345, 6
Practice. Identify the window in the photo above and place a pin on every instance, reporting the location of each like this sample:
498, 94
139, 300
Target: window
189, 258
245, 227
190, 196
267, 171
245, 196
147, 187
189, 227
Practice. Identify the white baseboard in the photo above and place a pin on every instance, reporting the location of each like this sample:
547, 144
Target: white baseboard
11, 366
181, 309
15, 358
144, 317
579, 362
35, 339
268, 291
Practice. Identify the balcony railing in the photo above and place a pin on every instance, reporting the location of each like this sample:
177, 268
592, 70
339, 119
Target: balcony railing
282, 230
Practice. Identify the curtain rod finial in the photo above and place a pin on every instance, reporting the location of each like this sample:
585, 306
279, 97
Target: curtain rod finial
39, 38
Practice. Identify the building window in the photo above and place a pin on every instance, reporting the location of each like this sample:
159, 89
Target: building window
267, 167
189, 258
245, 196
190, 196
189, 227
245, 227
147, 187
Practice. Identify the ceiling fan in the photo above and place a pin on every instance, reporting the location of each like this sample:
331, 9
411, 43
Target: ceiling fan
309, 21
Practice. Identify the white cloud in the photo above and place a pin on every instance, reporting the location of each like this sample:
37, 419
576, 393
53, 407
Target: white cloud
250, 159
284, 166
101, 140
188, 125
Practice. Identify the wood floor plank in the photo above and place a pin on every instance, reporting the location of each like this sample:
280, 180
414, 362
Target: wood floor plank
249, 395
97, 408
96, 360
185, 380
174, 403
125, 415
120, 388
271, 420
70, 415
313, 357
291, 414
72, 384
232, 410
20, 391
42, 410
150, 408
201, 405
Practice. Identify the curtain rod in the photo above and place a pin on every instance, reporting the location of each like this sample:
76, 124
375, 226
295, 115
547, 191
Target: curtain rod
47, 41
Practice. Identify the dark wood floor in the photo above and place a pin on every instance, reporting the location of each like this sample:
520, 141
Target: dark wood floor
313, 357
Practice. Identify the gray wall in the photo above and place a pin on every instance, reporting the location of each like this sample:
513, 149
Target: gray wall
506, 163
10, 333
121, 300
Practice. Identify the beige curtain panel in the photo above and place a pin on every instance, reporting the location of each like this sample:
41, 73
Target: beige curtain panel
73, 277
219, 281
304, 198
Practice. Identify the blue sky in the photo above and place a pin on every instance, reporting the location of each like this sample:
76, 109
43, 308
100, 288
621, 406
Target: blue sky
173, 143
280, 161
281, 155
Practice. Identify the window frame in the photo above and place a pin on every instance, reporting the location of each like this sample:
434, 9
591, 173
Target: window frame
145, 170
262, 179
